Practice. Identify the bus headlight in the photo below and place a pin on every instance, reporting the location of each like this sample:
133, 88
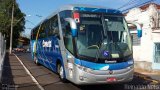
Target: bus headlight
84, 68
130, 62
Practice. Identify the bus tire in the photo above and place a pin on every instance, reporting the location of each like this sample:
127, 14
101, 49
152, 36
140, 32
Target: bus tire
36, 61
61, 72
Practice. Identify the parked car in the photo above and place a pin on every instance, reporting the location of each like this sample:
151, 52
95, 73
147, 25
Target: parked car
19, 49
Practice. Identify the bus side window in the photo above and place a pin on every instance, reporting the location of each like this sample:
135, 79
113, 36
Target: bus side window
54, 30
35, 33
68, 37
32, 35
66, 30
64, 14
42, 33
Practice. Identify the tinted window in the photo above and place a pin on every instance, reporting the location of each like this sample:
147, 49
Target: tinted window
66, 30
68, 37
53, 26
42, 32
34, 33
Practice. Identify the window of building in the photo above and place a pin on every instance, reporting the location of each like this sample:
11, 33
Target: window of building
135, 39
155, 20
157, 53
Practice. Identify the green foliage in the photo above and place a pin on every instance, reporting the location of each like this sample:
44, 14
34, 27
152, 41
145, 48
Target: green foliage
5, 20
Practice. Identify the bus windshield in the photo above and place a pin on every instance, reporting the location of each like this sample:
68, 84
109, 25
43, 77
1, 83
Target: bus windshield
103, 36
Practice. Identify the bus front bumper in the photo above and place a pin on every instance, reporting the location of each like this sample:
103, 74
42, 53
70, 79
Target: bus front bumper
82, 77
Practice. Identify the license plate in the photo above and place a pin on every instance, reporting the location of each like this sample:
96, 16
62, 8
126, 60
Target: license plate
111, 79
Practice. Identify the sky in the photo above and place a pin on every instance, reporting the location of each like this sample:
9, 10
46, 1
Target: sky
37, 10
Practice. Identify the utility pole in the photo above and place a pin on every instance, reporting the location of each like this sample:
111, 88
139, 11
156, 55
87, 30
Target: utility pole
10, 48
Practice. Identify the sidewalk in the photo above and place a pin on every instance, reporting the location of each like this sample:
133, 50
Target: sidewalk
155, 75
14, 75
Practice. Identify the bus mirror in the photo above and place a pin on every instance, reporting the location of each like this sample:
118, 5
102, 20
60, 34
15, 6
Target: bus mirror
72, 25
139, 28
139, 33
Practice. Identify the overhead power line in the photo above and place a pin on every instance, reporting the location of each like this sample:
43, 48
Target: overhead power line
137, 5
128, 3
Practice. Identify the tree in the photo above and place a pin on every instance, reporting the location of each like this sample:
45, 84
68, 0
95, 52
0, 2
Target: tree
5, 20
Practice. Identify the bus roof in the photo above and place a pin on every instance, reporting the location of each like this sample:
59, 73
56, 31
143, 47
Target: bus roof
82, 7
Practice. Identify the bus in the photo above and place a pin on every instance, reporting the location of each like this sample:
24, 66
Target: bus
85, 44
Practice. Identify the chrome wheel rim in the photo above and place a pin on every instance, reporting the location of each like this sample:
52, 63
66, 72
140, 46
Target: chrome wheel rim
35, 60
61, 72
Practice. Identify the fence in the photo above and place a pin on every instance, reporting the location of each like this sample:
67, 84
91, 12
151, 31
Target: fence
2, 53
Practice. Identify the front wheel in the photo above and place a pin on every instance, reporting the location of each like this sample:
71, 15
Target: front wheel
61, 72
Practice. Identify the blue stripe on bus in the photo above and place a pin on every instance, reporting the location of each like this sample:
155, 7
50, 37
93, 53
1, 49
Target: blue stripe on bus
89, 9
97, 10
99, 66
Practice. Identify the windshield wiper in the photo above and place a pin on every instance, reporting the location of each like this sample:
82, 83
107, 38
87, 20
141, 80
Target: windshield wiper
98, 51
97, 54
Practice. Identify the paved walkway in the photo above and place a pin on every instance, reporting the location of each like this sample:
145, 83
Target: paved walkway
15, 76
152, 74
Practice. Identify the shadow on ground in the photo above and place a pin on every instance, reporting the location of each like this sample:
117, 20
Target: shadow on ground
7, 77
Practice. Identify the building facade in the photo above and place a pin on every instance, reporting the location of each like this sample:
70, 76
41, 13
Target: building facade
146, 50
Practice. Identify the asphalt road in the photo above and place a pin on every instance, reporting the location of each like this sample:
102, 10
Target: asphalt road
15, 77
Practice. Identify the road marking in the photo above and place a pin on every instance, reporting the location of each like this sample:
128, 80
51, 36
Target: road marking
29, 73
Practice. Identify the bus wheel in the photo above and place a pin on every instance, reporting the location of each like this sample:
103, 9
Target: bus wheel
61, 72
36, 61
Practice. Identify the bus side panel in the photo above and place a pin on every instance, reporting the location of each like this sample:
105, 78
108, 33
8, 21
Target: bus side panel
39, 52
48, 52
53, 53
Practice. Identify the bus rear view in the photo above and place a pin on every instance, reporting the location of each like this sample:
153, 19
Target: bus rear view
94, 46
